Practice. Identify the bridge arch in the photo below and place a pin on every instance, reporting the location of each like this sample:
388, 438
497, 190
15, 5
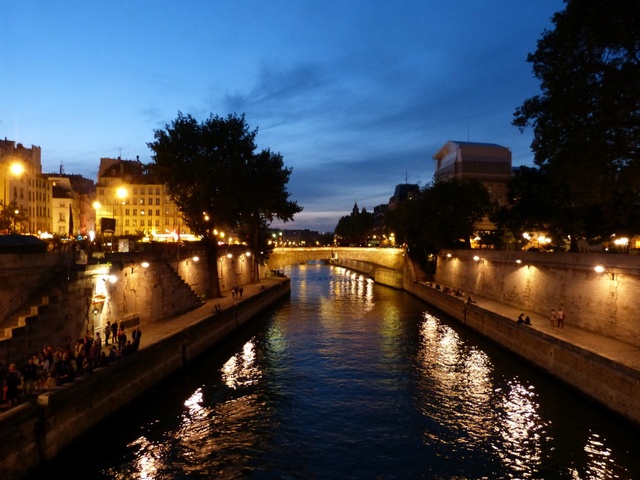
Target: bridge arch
384, 265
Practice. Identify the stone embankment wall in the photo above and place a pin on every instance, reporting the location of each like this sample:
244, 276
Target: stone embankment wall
384, 265
606, 303
614, 386
24, 275
390, 258
32, 434
78, 300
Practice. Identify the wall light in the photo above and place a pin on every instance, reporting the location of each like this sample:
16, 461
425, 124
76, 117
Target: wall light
476, 258
518, 261
601, 268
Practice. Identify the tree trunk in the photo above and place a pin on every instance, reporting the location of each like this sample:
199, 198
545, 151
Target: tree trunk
256, 246
212, 259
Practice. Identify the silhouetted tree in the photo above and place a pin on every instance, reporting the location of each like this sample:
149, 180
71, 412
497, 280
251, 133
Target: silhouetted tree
586, 120
355, 228
442, 215
218, 181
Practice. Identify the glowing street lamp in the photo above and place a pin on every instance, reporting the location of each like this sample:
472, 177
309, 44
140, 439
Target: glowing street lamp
16, 169
121, 193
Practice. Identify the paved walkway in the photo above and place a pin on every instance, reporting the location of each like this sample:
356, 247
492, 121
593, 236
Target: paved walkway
612, 349
154, 332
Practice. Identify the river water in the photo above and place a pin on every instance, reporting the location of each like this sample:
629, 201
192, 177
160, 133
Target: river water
352, 380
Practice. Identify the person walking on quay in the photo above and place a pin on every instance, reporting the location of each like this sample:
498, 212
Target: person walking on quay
114, 332
553, 318
135, 336
560, 318
107, 332
12, 381
122, 339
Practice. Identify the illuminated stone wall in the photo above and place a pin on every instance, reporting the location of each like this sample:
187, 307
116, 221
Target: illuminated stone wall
606, 303
392, 258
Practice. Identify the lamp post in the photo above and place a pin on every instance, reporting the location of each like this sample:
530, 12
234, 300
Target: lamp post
121, 193
16, 169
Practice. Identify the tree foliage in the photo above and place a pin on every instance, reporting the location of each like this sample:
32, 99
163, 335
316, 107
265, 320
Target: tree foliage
355, 228
218, 180
586, 120
443, 215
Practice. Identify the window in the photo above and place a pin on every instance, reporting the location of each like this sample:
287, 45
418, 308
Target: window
126, 211
142, 223
157, 190
126, 222
135, 211
134, 222
142, 201
150, 201
61, 217
141, 190
157, 223
157, 213
157, 200
150, 212
135, 190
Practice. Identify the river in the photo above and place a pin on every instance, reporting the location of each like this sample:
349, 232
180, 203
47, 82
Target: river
351, 380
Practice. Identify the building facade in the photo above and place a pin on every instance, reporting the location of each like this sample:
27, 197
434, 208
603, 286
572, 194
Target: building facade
24, 188
130, 202
488, 163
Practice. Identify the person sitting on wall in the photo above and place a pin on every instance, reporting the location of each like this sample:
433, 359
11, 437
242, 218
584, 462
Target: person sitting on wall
520, 319
527, 320
470, 299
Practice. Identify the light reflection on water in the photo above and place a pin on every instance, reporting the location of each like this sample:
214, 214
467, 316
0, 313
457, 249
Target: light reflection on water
353, 380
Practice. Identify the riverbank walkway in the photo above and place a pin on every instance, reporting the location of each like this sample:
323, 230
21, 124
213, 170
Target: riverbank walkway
612, 349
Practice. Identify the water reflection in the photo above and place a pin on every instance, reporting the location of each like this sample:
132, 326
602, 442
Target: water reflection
352, 380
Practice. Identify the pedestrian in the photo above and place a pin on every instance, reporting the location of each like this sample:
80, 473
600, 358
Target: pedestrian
13, 380
122, 340
98, 344
135, 335
114, 332
553, 318
240, 290
107, 332
560, 318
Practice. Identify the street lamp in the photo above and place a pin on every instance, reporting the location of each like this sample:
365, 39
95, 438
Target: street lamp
16, 169
121, 193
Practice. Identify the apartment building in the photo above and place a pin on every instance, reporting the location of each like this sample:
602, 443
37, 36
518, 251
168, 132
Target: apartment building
488, 163
130, 202
24, 188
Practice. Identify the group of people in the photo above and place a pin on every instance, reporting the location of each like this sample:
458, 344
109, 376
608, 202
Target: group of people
52, 367
236, 292
522, 320
556, 319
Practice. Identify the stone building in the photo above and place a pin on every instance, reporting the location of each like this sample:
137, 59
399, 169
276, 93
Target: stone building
25, 188
488, 163
129, 199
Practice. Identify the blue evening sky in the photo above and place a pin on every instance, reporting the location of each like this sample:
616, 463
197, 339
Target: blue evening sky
356, 95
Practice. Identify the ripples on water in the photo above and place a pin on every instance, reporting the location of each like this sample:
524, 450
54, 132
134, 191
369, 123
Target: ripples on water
354, 380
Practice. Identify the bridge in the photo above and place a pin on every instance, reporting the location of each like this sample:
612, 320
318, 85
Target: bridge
384, 265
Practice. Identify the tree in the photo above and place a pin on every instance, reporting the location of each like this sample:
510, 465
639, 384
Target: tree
265, 198
218, 181
586, 121
442, 215
354, 228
